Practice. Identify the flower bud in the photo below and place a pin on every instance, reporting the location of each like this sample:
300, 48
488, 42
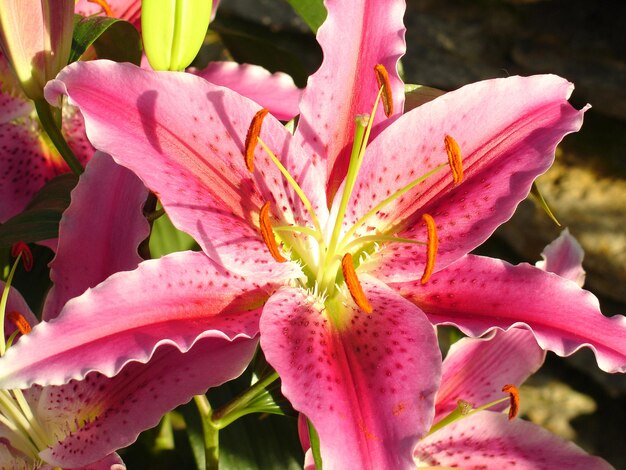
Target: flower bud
36, 38
173, 31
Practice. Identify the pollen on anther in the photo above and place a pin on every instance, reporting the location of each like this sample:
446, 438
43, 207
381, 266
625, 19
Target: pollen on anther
513, 399
20, 322
382, 77
454, 158
431, 247
254, 131
353, 284
27, 256
268, 234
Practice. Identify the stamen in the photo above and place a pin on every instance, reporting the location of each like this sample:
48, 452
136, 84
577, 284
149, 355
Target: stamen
513, 399
431, 247
268, 234
454, 158
354, 286
251, 138
105, 6
21, 248
382, 77
20, 322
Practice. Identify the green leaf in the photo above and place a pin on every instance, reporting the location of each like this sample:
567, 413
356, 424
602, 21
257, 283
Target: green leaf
112, 38
40, 220
417, 95
534, 191
314, 438
166, 238
312, 12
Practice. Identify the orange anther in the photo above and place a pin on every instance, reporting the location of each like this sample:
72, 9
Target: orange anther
514, 399
251, 137
382, 77
268, 234
454, 158
105, 6
354, 286
20, 322
431, 247
27, 256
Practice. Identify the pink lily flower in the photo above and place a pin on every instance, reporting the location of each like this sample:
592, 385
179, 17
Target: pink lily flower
475, 370
359, 358
85, 421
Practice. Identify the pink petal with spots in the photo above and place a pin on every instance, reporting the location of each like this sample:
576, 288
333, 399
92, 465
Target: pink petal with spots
475, 370
177, 300
13, 102
184, 137
107, 204
274, 91
16, 303
27, 162
110, 462
372, 381
490, 440
507, 130
564, 256
355, 37
24, 168
479, 294
115, 410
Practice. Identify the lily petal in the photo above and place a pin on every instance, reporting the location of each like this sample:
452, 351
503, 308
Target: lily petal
274, 91
490, 440
97, 415
478, 294
177, 299
184, 137
476, 369
372, 382
355, 37
107, 204
507, 130
564, 256
27, 161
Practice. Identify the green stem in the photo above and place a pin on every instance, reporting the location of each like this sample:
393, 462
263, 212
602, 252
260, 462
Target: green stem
210, 431
231, 411
54, 132
4, 300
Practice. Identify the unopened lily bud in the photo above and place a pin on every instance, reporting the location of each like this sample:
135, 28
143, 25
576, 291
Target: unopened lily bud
36, 38
173, 31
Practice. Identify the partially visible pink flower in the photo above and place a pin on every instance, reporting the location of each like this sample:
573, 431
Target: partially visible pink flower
83, 422
27, 158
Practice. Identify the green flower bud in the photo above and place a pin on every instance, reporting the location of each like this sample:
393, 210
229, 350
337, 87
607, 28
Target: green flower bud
173, 31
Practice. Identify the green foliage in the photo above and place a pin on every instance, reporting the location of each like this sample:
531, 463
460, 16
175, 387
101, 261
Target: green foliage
40, 220
166, 238
112, 38
312, 12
